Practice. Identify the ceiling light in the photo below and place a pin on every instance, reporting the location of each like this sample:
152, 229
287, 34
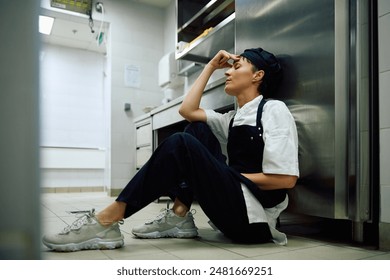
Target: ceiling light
45, 24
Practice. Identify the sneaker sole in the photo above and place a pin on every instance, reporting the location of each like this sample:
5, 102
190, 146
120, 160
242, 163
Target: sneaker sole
92, 244
172, 233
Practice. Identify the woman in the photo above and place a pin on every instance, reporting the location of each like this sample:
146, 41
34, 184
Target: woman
242, 198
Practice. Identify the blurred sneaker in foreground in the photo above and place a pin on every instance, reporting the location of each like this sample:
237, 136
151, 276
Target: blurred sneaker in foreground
86, 233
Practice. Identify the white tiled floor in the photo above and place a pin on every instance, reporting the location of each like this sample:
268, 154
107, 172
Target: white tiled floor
307, 244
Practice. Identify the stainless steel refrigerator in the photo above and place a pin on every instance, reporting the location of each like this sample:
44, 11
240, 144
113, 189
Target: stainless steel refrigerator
324, 47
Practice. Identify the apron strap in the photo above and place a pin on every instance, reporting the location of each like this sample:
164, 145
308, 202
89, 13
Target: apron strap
260, 114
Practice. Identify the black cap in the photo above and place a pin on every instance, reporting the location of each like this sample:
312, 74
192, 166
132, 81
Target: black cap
262, 59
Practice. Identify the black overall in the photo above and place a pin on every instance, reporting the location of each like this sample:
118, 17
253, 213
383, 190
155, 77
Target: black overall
195, 157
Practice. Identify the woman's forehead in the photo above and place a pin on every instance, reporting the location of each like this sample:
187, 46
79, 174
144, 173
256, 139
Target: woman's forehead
241, 60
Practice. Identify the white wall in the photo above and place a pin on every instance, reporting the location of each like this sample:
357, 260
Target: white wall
73, 122
72, 102
137, 38
72, 170
384, 120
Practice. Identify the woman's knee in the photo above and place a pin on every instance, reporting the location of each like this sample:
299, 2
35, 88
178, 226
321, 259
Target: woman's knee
202, 132
196, 127
178, 139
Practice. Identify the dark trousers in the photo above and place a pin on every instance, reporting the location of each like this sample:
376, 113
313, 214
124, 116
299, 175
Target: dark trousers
188, 165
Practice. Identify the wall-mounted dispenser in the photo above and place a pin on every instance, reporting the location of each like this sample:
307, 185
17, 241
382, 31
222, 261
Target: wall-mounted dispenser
168, 78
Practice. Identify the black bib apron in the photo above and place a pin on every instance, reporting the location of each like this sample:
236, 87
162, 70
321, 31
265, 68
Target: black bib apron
245, 150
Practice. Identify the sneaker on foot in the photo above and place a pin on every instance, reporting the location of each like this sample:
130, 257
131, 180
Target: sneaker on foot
168, 224
86, 233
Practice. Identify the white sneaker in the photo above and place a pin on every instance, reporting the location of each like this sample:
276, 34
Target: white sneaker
86, 233
168, 224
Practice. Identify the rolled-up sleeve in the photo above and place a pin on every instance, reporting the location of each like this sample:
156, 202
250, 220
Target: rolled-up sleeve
280, 139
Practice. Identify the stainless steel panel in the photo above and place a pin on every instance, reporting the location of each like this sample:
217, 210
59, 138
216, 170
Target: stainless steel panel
302, 35
323, 88
204, 48
342, 113
360, 196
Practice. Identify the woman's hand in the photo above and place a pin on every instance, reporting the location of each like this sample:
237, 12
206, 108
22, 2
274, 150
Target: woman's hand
222, 58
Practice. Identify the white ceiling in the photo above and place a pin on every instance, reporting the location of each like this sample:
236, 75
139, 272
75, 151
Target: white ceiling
157, 3
74, 31
74, 34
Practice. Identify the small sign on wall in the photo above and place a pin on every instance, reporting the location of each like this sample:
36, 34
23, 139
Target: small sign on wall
132, 76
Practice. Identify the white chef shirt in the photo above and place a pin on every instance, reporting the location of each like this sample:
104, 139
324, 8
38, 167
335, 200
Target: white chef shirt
280, 154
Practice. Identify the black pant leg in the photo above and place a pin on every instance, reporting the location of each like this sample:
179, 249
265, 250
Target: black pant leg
202, 132
182, 157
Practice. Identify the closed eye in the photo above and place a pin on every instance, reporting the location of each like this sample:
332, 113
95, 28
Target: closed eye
236, 65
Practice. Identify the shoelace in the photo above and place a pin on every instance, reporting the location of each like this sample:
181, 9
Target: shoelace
164, 213
81, 221
159, 217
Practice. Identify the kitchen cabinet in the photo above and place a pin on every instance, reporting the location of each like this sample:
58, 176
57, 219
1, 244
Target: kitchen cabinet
144, 140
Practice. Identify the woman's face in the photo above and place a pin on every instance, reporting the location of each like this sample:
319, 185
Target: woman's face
239, 77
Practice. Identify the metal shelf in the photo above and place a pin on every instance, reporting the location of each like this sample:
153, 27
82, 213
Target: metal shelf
190, 69
210, 15
204, 48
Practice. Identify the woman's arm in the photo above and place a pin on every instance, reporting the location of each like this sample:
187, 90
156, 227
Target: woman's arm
189, 108
272, 181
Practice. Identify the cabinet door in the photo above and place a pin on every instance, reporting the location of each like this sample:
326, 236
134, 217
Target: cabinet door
142, 155
144, 135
